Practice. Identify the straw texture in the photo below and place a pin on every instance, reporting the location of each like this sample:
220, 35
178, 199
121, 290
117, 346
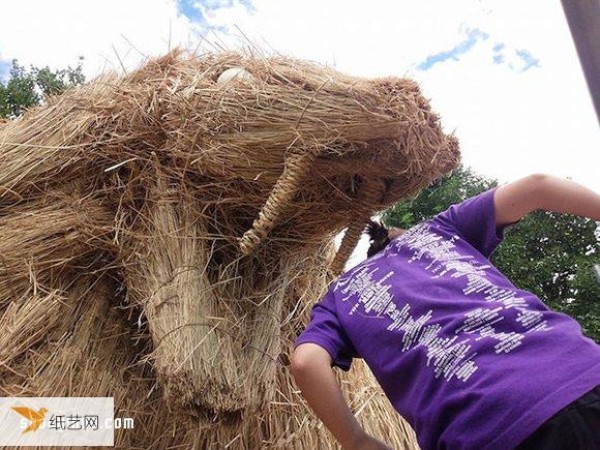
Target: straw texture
163, 237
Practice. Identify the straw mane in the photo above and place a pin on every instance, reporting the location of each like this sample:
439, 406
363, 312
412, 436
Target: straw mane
163, 237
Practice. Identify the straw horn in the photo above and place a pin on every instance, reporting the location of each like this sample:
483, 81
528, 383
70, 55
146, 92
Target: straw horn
371, 193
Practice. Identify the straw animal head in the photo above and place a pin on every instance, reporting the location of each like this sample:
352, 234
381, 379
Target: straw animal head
207, 199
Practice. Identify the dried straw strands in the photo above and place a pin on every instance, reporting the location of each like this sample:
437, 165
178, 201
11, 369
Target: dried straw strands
162, 237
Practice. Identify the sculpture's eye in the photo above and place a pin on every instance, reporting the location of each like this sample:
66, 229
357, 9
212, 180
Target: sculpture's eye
235, 74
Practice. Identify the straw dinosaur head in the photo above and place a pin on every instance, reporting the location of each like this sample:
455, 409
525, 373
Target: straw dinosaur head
207, 199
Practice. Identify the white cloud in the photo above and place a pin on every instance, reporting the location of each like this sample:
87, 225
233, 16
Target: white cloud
57, 32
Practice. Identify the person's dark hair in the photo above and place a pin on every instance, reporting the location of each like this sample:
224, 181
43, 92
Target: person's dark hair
379, 237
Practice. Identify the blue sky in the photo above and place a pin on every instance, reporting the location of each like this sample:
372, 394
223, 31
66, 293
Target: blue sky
519, 60
199, 12
472, 37
4, 69
498, 56
192, 12
529, 61
195, 9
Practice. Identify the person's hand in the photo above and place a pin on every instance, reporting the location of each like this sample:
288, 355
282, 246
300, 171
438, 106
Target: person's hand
366, 442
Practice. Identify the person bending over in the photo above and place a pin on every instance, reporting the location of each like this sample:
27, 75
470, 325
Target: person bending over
467, 358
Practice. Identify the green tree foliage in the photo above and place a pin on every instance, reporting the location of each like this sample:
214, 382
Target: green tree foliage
549, 254
26, 88
460, 185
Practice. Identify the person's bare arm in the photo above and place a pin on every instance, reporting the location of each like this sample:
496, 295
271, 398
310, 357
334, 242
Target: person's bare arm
514, 200
311, 367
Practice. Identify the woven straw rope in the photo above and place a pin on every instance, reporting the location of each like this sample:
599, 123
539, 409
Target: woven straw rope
369, 196
297, 166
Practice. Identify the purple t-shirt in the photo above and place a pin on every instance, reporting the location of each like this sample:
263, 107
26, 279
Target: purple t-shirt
468, 359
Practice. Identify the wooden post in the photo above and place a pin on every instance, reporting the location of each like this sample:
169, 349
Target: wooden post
583, 17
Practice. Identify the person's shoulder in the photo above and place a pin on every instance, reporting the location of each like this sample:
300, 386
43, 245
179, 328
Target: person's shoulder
471, 206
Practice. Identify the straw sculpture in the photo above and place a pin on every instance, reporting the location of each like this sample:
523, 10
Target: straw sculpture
164, 234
